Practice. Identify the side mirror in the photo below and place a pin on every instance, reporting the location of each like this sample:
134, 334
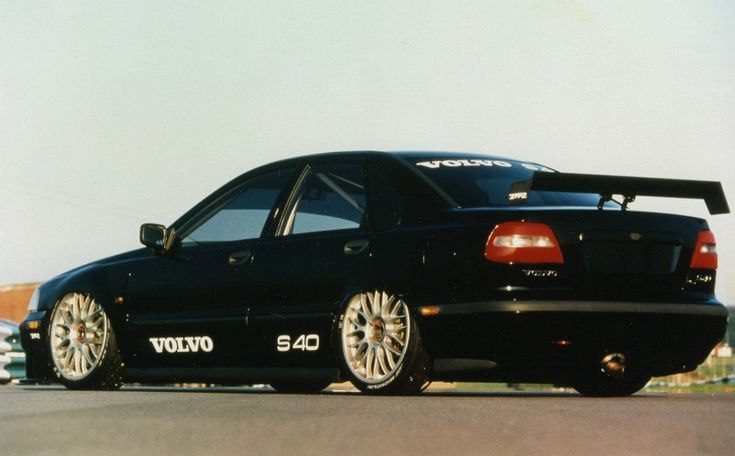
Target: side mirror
154, 236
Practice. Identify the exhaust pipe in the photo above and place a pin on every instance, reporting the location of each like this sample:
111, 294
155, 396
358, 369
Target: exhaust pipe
613, 364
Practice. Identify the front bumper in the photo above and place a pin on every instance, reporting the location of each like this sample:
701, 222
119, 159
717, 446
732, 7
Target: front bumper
549, 341
34, 342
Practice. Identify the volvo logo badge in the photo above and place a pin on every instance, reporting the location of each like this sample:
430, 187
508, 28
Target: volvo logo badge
182, 344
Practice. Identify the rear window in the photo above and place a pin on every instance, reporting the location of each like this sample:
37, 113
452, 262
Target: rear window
483, 182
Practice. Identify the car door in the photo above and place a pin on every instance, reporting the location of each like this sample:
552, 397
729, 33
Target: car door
319, 256
188, 308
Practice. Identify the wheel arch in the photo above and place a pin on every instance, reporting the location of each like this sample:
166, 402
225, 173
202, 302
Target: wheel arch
104, 283
98, 282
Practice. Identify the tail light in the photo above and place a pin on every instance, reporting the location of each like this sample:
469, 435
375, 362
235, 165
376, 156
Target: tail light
705, 252
521, 242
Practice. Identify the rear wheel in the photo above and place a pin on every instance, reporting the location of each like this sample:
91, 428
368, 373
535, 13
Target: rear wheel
300, 387
82, 345
612, 378
380, 345
611, 387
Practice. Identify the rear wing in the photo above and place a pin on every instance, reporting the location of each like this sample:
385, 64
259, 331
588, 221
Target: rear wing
629, 187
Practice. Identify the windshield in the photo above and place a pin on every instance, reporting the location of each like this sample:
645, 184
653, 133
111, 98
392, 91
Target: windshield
485, 182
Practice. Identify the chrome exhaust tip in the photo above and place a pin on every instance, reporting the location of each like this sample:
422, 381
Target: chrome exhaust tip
613, 364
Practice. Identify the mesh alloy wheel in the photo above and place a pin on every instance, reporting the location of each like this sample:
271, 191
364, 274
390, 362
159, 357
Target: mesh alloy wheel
79, 332
375, 335
82, 345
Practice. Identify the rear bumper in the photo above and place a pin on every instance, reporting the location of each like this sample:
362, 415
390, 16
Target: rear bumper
549, 341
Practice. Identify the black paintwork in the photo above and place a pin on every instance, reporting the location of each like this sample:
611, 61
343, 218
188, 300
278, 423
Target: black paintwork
631, 187
417, 242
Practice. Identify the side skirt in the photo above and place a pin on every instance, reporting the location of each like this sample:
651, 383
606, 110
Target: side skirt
226, 375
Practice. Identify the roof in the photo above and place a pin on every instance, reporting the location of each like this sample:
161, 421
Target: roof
405, 154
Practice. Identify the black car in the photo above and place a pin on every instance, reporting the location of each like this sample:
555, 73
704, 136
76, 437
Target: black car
391, 270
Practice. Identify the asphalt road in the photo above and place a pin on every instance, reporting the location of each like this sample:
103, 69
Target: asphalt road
159, 421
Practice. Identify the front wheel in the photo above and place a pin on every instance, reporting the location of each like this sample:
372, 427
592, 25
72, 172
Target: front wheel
82, 345
380, 346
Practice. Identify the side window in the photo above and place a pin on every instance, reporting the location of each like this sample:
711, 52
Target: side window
241, 215
385, 200
331, 197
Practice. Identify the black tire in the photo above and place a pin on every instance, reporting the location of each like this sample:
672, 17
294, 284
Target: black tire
300, 387
106, 374
599, 384
410, 374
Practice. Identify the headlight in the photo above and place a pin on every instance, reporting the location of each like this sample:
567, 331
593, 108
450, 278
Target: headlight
33, 303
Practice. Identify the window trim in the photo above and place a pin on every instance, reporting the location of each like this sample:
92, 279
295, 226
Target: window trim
286, 219
284, 228
211, 208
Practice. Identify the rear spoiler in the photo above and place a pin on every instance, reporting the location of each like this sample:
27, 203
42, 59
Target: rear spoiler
629, 187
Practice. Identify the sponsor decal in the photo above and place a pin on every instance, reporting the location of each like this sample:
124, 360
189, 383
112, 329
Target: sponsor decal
522, 196
35, 336
533, 167
434, 164
186, 344
474, 162
304, 342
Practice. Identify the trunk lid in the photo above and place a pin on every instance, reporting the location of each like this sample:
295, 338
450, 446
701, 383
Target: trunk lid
625, 254
613, 254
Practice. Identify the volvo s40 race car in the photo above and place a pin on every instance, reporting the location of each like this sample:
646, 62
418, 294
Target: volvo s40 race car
391, 270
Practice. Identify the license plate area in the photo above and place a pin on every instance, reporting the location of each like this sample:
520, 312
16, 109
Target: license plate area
631, 252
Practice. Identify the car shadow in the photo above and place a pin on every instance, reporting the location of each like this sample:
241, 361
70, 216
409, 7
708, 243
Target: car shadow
337, 392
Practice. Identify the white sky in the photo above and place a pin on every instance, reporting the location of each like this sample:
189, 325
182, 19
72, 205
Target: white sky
112, 115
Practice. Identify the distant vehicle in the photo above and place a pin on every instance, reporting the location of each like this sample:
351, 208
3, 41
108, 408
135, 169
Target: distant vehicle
12, 358
391, 270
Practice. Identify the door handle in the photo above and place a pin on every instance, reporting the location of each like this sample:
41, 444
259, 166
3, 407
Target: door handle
355, 247
238, 258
